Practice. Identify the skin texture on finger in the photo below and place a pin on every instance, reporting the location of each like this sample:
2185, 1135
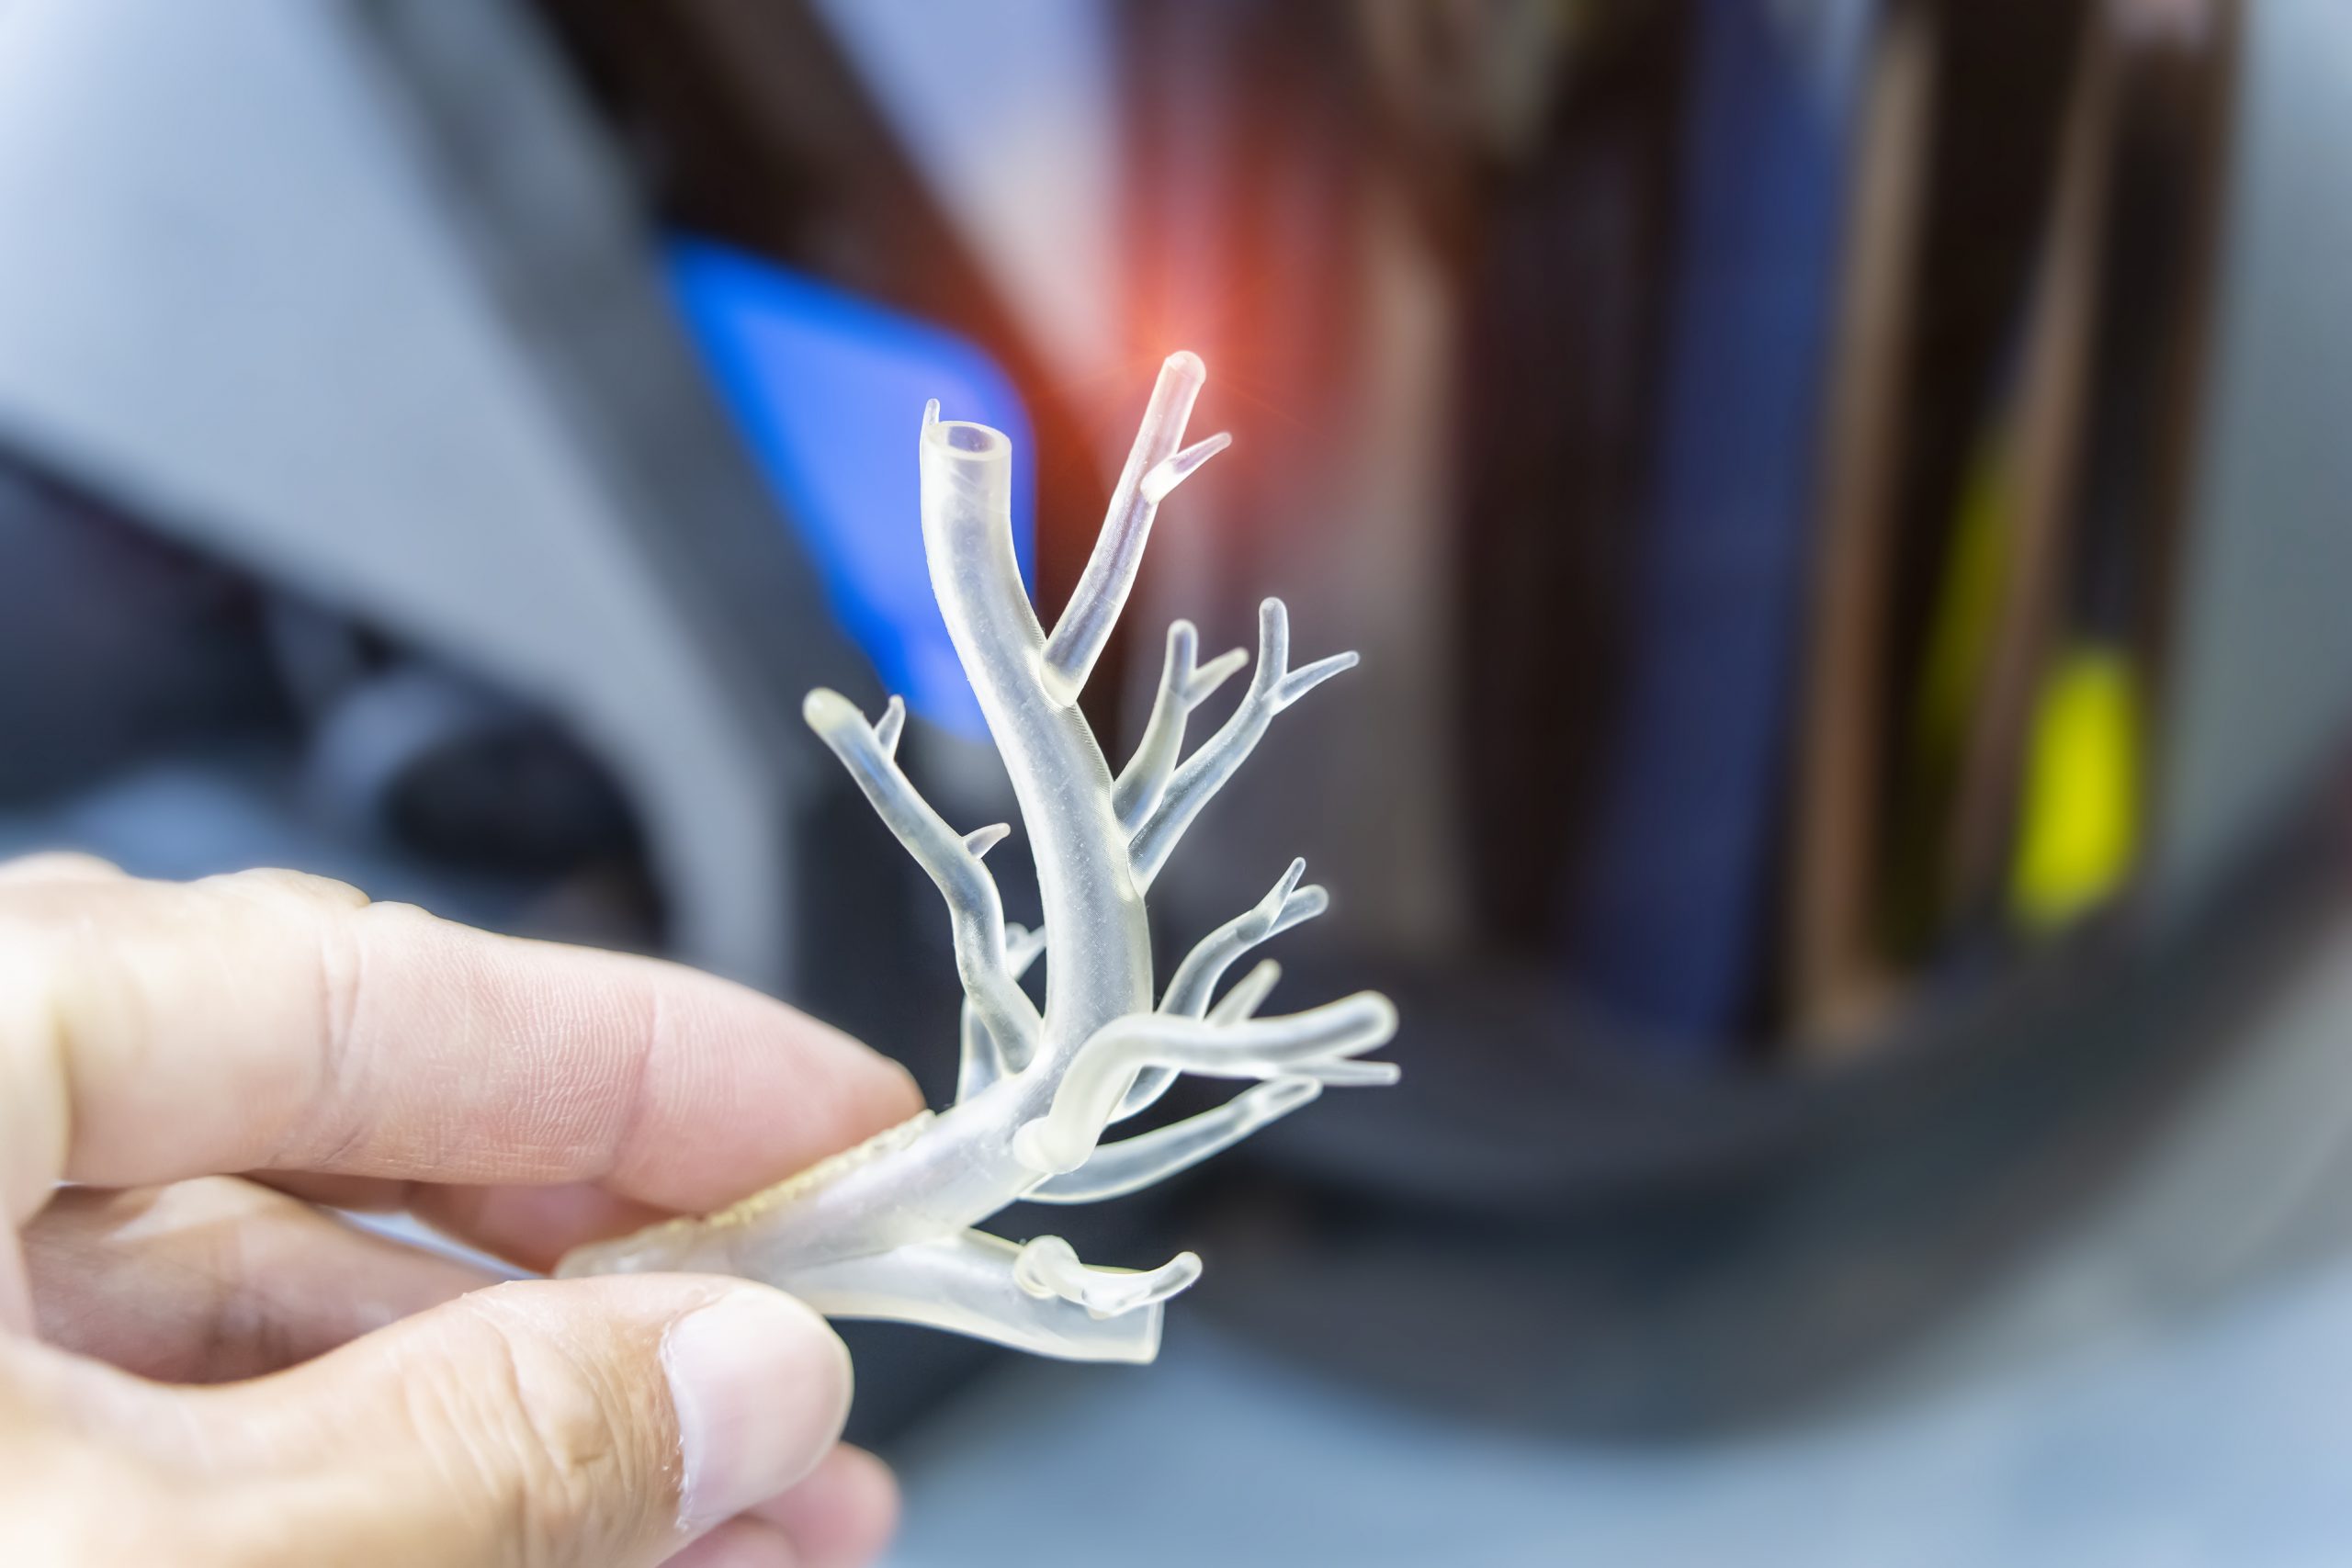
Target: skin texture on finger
567, 1444
217, 1279
543, 1422
274, 1021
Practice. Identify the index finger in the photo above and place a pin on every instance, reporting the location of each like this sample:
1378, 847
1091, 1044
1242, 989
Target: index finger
151, 1031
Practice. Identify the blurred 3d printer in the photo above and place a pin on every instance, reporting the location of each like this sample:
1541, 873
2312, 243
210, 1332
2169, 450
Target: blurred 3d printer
1841, 501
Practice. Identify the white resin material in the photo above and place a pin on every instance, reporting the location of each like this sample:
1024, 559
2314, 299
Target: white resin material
885, 1230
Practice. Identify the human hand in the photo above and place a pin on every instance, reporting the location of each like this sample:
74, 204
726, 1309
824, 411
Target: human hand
365, 1403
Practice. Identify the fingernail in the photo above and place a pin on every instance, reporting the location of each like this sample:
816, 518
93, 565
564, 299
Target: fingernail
761, 1386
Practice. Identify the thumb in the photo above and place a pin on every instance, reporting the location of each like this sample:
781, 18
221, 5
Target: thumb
550, 1422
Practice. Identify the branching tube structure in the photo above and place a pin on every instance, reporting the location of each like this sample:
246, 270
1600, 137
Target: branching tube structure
887, 1230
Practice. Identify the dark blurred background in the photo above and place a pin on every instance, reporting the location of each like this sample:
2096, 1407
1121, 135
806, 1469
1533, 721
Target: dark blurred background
1843, 505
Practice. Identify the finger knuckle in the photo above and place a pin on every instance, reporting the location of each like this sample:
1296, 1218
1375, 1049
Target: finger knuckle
545, 1428
295, 886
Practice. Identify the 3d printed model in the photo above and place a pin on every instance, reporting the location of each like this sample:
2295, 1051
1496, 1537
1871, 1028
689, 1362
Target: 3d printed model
886, 1229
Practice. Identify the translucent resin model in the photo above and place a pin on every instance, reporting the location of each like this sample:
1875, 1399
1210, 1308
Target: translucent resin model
885, 1230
